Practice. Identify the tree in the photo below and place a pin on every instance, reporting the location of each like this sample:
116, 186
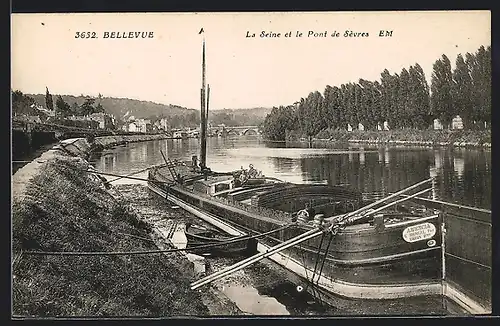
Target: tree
441, 91
389, 98
99, 108
312, 119
420, 98
87, 108
371, 103
75, 109
462, 91
22, 104
487, 84
62, 108
332, 107
481, 79
48, 100
404, 100
394, 117
278, 122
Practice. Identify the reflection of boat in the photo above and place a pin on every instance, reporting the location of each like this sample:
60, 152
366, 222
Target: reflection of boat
390, 254
203, 237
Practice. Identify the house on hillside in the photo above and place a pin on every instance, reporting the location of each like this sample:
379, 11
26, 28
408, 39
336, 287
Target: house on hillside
457, 123
132, 127
49, 113
148, 126
29, 118
141, 125
385, 126
105, 120
361, 127
164, 124
438, 125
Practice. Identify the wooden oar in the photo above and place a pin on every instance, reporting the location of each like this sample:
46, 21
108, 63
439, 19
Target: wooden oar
397, 202
380, 201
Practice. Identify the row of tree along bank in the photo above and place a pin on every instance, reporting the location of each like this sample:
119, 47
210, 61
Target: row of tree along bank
458, 138
401, 101
58, 206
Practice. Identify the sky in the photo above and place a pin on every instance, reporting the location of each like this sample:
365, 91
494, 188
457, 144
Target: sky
243, 72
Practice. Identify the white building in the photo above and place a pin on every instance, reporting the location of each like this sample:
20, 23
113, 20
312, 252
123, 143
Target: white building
457, 123
164, 124
132, 127
386, 125
437, 124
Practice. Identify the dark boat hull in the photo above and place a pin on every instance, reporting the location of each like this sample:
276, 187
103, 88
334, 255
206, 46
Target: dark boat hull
244, 248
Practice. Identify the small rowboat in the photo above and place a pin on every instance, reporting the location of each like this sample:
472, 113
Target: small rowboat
199, 236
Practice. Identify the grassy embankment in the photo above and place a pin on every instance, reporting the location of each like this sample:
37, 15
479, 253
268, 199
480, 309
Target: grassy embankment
64, 209
472, 138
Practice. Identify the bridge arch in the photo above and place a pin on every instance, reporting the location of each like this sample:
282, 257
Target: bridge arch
250, 132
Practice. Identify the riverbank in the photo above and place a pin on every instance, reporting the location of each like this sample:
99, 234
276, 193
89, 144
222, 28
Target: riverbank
23, 152
456, 138
110, 141
57, 206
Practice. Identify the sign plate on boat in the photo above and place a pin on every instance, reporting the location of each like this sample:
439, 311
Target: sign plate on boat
419, 232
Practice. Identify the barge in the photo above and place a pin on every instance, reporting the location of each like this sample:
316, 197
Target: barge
391, 254
395, 253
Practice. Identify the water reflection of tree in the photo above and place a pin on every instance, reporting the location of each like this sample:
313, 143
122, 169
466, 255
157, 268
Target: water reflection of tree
283, 164
406, 167
469, 183
372, 175
463, 175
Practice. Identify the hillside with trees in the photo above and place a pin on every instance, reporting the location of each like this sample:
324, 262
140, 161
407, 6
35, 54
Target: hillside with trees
178, 116
404, 100
121, 107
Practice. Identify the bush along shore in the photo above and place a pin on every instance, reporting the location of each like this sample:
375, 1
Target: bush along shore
457, 138
57, 206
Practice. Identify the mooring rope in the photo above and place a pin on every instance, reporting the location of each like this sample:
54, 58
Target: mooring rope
318, 254
324, 257
146, 252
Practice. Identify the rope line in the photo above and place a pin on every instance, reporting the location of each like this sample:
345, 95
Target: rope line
318, 254
146, 252
324, 257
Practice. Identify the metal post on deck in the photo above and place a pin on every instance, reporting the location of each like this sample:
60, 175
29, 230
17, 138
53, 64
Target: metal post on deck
443, 259
433, 174
443, 247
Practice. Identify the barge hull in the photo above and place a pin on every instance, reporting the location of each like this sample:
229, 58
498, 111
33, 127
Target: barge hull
335, 286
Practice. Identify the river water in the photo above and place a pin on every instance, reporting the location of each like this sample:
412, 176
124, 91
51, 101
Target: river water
462, 176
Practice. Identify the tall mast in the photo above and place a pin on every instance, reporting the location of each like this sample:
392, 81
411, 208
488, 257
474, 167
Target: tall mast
203, 127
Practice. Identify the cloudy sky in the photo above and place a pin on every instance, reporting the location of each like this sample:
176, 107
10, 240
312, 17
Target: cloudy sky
242, 72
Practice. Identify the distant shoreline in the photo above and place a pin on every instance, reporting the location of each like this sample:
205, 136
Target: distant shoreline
408, 137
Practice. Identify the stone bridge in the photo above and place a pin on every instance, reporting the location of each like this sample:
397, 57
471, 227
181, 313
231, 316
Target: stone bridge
240, 130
